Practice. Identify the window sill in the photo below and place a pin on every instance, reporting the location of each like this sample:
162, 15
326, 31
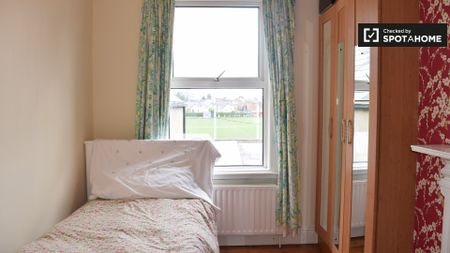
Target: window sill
245, 174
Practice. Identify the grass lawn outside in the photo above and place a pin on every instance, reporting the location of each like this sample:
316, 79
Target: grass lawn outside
228, 128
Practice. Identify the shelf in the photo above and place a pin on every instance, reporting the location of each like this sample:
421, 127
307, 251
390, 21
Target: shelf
442, 151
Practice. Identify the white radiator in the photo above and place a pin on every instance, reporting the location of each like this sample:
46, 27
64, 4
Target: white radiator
359, 194
246, 210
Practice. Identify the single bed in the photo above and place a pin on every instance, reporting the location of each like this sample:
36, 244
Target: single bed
133, 222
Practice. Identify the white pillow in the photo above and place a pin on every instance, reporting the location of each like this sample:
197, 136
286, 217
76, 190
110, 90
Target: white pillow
145, 180
121, 169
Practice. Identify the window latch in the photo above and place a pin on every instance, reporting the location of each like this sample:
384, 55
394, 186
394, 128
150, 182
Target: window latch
218, 78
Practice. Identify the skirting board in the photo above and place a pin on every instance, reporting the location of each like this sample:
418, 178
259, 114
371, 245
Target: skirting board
304, 237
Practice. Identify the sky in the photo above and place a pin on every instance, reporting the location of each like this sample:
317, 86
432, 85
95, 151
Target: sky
210, 40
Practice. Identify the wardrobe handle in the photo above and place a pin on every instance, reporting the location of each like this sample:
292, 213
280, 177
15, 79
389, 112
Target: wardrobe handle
343, 131
330, 128
349, 131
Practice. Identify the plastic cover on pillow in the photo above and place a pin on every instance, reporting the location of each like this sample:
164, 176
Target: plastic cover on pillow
121, 169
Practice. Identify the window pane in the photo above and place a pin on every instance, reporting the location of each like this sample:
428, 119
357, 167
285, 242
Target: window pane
210, 40
231, 118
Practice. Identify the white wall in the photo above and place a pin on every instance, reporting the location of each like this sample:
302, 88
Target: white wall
116, 25
306, 86
45, 112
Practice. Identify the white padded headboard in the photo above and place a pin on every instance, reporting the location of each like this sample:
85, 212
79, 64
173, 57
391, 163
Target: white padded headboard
125, 152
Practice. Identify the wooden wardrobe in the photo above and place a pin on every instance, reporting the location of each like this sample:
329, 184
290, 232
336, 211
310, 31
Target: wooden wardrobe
392, 127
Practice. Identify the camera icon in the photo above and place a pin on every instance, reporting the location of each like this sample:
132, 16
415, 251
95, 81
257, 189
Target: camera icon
371, 35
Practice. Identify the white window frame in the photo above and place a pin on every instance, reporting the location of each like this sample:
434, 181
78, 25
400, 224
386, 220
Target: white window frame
268, 170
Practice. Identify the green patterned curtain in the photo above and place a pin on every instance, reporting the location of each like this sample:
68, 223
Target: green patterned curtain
279, 33
155, 56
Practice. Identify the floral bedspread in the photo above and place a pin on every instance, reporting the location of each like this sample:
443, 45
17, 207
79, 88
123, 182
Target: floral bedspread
143, 225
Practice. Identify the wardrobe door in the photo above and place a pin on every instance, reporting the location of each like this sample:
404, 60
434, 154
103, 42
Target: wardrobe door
327, 42
330, 137
338, 100
338, 150
326, 131
360, 117
356, 140
358, 127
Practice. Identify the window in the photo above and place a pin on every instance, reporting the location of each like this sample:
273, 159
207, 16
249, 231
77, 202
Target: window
210, 40
219, 88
